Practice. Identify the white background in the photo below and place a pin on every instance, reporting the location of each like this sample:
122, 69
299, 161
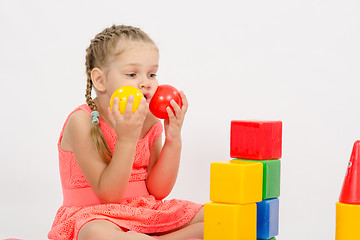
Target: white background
294, 61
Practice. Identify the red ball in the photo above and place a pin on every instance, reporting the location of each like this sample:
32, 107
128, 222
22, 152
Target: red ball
161, 100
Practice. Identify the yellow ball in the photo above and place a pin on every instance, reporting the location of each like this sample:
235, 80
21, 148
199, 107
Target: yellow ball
123, 93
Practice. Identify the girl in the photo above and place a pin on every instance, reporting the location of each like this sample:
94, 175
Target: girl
114, 170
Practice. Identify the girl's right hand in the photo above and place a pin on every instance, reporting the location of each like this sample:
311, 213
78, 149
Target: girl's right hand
128, 126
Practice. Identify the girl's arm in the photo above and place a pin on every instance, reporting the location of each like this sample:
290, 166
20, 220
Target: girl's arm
162, 176
108, 181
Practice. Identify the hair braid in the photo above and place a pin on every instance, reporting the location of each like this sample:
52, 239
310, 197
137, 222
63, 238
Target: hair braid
97, 55
95, 132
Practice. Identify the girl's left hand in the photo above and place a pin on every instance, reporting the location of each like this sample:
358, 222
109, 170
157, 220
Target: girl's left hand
174, 123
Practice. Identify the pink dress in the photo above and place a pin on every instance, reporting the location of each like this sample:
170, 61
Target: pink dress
138, 210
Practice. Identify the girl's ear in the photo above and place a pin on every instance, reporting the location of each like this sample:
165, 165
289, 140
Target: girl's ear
98, 78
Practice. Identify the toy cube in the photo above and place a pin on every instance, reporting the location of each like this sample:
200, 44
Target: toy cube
268, 218
350, 192
271, 177
229, 221
256, 140
239, 182
347, 221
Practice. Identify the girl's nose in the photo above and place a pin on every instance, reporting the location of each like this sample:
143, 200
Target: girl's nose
144, 83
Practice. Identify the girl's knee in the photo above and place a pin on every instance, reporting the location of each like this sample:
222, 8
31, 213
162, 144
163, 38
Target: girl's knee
199, 217
97, 230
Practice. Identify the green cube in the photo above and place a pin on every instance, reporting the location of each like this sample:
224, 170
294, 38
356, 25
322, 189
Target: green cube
271, 177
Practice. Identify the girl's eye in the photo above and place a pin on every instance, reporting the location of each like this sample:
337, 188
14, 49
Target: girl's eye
152, 75
132, 75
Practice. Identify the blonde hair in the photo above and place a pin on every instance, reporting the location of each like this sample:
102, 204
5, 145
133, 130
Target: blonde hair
98, 54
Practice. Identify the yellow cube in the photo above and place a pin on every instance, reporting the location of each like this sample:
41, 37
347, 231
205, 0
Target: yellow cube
347, 221
236, 182
229, 221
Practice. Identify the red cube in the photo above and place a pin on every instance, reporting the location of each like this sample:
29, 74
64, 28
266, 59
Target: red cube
256, 140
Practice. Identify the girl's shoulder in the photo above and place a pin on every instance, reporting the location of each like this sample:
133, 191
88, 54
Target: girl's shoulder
81, 110
77, 124
79, 117
84, 108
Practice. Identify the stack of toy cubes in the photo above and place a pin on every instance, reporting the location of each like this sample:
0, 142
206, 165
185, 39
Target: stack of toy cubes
244, 191
348, 207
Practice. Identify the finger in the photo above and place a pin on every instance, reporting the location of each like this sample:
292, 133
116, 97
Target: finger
176, 107
143, 106
184, 100
129, 105
116, 110
115, 104
171, 114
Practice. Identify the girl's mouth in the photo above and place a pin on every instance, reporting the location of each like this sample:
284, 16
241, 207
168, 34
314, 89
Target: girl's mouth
147, 97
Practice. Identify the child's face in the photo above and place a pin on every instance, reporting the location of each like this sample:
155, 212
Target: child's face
136, 66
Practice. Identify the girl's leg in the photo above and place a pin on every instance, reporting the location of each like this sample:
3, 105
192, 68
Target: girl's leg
194, 229
191, 231
199, 217
106, 230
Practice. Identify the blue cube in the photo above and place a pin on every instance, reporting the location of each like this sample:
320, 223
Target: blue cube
267, 218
